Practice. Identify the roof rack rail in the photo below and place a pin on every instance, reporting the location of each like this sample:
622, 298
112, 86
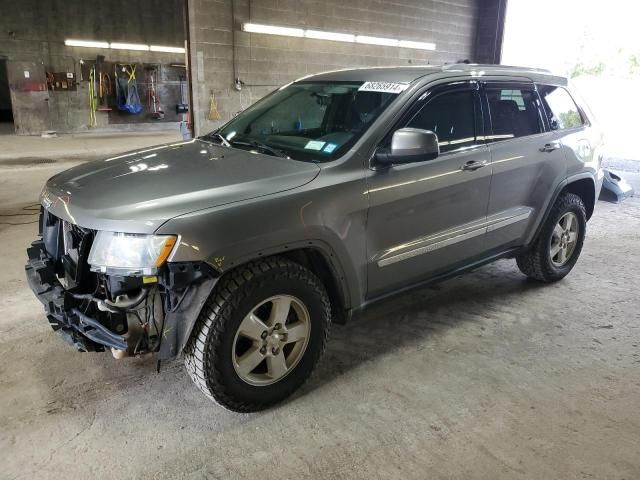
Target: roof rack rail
475, 66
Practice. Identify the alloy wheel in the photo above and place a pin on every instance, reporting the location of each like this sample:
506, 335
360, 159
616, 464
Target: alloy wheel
271, 340
564, 239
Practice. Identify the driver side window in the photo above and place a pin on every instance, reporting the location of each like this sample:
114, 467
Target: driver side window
450, 116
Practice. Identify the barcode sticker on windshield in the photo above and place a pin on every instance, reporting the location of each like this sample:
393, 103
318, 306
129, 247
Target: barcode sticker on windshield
385, 87
314, 145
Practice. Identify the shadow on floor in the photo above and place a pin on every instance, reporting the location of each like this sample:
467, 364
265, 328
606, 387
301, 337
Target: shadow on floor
413, 317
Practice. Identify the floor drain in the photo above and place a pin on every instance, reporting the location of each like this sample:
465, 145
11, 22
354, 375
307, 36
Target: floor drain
27, 161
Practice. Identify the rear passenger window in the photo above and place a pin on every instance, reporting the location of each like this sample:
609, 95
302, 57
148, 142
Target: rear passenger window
561, 109
514, 113
451, 117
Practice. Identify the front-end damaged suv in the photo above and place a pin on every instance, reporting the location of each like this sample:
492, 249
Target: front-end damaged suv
238, 249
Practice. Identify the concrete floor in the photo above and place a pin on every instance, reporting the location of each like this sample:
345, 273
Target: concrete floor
29, 149
487, 376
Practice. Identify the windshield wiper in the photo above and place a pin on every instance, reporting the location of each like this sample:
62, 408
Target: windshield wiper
262, 146
223, 141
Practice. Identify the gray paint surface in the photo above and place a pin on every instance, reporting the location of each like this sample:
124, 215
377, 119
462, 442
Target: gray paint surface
139, 191
229, 206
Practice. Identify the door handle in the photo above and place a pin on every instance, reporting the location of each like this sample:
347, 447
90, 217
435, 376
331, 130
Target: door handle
472, 165
550, 147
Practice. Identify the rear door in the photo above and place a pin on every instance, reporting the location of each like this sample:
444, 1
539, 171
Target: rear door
527, 161
29, 97
426, 217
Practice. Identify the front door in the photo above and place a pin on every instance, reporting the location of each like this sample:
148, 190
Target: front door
29, 97
427, 217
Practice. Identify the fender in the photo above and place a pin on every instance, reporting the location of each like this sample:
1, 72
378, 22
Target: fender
178, 324
224, 242
556, 193
332, 259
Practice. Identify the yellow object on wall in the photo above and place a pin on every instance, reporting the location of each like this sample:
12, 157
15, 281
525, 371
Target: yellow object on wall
214, 115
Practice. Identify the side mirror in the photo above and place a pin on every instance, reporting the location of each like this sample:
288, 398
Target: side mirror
409, 145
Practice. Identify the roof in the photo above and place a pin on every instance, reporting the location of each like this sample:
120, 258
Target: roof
411, 73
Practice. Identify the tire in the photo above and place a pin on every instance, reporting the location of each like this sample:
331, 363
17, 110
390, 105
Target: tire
539, 261
214, 353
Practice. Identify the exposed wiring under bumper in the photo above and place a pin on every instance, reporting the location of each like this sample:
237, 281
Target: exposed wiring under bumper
182, 294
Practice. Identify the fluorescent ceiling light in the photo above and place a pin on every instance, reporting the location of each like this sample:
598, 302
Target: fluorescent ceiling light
129, 46
157, 48
122, 46
85, 43
417, 45
390, 42
336, 37
272, 29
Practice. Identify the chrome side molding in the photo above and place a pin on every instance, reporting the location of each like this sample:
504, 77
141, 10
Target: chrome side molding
451, 237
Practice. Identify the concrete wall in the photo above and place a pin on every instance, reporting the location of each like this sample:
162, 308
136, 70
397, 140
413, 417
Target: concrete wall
266, 61
35, 30
490, 30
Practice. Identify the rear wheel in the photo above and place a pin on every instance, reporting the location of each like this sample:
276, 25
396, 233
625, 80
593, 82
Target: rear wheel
260, 335
557, 248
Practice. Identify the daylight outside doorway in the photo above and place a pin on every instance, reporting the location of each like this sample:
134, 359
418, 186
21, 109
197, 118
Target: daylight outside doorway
597, 47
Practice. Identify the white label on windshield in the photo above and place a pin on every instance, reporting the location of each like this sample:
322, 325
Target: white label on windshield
386, 87
314, 145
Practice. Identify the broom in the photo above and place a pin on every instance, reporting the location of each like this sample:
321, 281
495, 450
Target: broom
214, 115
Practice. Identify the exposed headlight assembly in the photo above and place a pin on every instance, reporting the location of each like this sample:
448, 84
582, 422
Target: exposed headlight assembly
130, 253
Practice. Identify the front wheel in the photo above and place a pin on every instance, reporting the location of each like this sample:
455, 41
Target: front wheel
259, 335
557, 248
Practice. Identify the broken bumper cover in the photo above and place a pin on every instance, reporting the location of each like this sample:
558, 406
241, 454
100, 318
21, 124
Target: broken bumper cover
88, 334
615, 189
81, 331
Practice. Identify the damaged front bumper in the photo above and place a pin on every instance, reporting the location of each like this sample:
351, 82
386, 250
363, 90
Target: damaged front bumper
184, 288
86, 333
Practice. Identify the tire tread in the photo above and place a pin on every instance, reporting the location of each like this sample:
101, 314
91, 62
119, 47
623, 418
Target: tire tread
200, 356
534, 262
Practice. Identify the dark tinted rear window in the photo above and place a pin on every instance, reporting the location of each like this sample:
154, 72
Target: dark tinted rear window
514, 113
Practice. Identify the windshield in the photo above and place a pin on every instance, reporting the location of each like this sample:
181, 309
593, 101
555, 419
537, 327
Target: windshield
310, 121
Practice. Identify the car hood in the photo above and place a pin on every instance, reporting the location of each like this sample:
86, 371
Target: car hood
138, 191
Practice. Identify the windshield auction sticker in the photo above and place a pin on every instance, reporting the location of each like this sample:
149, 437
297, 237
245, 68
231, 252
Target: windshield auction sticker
385, 87
314, 145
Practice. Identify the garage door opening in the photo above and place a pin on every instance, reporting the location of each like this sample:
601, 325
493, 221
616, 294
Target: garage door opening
596, 47
6, 114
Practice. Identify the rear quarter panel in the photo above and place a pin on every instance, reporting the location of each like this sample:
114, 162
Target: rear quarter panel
584, 147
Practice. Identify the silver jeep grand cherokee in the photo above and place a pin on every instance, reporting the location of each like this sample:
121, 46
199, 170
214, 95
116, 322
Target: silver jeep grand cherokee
238, 249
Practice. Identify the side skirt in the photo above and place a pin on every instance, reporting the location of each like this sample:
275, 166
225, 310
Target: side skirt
357, 312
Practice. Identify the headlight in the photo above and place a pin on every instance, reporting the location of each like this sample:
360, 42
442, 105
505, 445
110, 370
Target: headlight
130, 253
